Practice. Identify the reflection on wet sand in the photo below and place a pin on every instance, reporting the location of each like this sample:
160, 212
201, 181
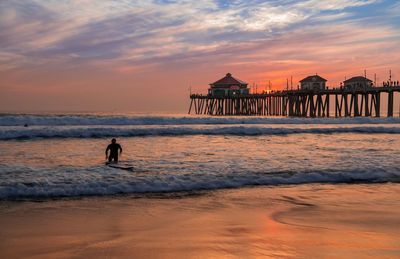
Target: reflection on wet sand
318, 221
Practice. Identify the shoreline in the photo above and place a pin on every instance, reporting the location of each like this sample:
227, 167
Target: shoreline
180, 193
293, 221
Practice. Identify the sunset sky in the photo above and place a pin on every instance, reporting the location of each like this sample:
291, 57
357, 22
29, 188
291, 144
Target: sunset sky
141, 56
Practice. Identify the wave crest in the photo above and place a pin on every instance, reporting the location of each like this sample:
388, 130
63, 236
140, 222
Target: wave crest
75, 120
100, 132
109, 181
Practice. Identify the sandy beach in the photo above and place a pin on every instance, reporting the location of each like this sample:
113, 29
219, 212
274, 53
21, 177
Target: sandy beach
200, 129
306, 221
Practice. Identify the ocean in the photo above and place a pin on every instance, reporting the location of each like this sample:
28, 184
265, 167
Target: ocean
63, 155
199, 187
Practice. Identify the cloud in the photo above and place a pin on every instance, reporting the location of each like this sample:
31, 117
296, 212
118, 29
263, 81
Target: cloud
131, 33
394, 10
324, 5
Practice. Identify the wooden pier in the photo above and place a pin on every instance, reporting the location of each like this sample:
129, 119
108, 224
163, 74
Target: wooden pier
298, 103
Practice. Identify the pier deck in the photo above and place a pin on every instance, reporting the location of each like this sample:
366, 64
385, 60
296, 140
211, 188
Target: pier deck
298, 103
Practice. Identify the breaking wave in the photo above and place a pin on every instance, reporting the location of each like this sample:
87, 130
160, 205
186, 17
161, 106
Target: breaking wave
100, 132
82, 120
102, 180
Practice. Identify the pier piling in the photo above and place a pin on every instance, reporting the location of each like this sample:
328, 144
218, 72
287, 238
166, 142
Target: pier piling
297, 103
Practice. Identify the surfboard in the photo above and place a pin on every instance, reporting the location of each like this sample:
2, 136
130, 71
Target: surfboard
115, 165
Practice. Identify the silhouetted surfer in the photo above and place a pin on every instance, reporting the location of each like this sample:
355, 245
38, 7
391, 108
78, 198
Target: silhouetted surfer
113, 147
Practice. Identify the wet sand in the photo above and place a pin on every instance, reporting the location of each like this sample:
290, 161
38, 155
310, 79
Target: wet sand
304, 221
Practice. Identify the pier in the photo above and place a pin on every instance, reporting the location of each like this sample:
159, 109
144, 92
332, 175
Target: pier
299, 103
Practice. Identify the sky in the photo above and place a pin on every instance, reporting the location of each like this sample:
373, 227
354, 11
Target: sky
146, 56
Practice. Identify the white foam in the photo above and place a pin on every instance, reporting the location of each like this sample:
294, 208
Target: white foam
9, 133
53, 120
51, 182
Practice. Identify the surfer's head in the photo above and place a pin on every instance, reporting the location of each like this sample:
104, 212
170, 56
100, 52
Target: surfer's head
113, 141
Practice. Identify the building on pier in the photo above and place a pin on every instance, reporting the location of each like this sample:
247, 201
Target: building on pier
357, 83
299, 103
228, 86
314, 82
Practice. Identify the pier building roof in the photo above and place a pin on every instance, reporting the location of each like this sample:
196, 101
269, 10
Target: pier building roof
228, 81
314, 78
357, 79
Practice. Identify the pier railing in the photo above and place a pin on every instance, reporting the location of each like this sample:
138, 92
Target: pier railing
298, 103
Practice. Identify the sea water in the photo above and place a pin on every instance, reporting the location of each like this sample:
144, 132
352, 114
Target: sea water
59, 155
